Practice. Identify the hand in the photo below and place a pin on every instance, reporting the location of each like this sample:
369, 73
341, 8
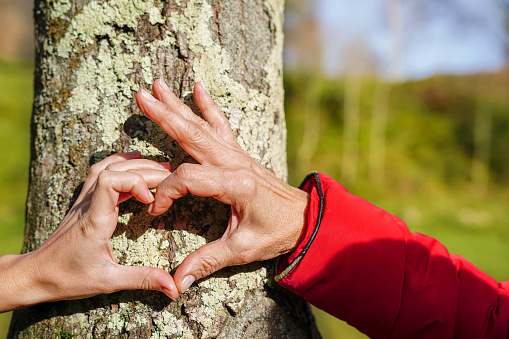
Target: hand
77, 261
267, 214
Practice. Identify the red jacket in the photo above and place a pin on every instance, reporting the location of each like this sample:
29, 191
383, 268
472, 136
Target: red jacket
362, 265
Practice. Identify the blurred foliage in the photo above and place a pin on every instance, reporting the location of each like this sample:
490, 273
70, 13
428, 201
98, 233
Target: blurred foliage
429, 133
429, 150
16, 96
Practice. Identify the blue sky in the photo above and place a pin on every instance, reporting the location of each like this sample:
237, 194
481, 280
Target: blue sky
436, 36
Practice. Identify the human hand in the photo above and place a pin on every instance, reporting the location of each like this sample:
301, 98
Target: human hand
267, 214
77, 261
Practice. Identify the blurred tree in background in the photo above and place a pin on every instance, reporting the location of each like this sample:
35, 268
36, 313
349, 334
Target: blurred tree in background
17, 29
387, 121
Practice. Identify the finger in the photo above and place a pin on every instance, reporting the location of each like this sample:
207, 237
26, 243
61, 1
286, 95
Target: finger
144, 278
204, 261
101, 166
152, 178
212, 113
129, 165
118, 157
163, 93
124, 166
190, 178
105, 198
193, 138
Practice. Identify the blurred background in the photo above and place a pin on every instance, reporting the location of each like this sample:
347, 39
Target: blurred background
406, 103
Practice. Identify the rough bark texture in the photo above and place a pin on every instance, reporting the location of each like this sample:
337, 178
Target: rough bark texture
92, 57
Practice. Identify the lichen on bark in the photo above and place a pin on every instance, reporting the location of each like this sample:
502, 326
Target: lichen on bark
92, 57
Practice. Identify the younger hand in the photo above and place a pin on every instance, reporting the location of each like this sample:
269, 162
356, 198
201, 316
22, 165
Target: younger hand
267, 214
77, 261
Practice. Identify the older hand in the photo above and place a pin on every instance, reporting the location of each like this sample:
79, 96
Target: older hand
77, 261
267, 214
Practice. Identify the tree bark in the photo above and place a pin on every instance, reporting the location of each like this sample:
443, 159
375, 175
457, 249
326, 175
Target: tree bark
92, 57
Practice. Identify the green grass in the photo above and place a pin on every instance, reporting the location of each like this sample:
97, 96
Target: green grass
16, 96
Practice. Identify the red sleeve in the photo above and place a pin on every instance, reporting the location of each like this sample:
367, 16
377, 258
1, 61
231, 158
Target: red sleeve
362, 265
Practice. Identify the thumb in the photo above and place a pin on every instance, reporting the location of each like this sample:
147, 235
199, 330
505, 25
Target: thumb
145, 278
204, 261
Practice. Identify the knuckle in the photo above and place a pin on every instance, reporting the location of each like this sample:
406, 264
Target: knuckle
191, 128
104, 178
146, 283
111, 167
203, 124
162, 112
247, 183
163, 194
95, 169
194, 132
137, 178
164, 185
208, 265
184, 172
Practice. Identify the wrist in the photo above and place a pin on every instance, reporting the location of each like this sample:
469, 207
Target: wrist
297, 218
312, 219
22, 284
15, 275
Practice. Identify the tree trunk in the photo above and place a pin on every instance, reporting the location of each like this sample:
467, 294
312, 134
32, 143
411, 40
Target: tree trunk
311, 133
92, 57
480, 168
378, 131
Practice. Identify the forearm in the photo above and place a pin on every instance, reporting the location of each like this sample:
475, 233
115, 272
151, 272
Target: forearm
18, 286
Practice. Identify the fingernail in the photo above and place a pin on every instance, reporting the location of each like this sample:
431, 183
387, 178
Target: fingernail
134, 153
147, 96
171, 293
150, 208
203, 85
186, 283
150, 196
164, 85
165, 165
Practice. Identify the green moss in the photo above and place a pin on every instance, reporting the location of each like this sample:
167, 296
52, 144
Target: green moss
65, 335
